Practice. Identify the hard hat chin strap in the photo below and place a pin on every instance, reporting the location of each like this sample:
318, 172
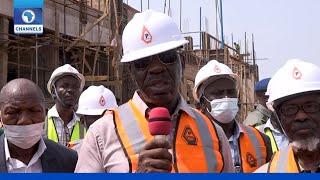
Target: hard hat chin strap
56, 95
279, 123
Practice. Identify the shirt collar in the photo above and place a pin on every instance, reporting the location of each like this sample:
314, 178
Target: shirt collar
270, 126
142, 107
41, 148
236, 132
54, 113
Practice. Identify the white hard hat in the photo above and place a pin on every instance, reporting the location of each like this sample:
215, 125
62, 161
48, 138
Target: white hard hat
95, 100
150, 33
295, 77
212, 68
64, 70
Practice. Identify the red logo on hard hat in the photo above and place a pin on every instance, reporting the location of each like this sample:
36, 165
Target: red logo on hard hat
296, 73
146, 35
216, 69
102, 101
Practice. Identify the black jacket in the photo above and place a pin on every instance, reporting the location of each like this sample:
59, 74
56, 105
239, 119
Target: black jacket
56, 158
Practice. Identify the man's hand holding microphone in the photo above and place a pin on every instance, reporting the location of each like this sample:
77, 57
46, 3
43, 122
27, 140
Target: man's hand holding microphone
155, 157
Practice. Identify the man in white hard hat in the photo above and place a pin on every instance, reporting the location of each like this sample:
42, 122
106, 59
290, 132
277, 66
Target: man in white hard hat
273, 129
121, 142
63, 125
295, 99
216, 90
93, 103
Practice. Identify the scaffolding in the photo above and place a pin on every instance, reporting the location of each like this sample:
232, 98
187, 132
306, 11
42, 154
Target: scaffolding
94, 51
209, 48
87, 33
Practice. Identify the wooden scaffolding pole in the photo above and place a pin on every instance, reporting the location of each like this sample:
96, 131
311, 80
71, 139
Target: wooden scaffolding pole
105, 14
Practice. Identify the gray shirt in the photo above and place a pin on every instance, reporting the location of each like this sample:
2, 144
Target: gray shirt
258, 116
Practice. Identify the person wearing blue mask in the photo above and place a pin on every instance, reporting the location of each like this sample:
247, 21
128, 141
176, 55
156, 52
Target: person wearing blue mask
216, 88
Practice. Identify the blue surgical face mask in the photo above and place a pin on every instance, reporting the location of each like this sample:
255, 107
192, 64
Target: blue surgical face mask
224, 110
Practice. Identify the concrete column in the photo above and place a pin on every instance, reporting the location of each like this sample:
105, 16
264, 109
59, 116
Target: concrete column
4, 28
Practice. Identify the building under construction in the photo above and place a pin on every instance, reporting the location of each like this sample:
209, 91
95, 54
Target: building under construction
87, 35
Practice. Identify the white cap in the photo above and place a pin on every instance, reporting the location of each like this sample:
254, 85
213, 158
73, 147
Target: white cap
65, 70
295, 77
95, 100
212, 68
150, 33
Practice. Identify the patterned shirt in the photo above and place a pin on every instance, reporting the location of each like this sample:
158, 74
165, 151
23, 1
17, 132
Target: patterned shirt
63, 131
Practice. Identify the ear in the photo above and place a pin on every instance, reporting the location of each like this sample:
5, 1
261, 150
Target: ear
53, 93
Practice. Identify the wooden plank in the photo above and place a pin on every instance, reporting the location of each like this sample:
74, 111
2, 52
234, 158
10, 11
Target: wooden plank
105, 83
96, 78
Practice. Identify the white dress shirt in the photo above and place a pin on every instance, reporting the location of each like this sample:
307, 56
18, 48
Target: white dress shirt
16, 166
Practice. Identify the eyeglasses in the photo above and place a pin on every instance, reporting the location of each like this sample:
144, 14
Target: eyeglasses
310, 107
166, 58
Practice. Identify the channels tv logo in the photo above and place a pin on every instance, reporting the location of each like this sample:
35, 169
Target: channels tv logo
28, 17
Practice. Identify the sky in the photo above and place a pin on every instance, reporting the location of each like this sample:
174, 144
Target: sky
282, 29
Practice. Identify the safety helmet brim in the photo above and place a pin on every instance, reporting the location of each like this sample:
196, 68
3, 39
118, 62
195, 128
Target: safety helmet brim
91, 112
152, 50
52, 81
233, 77
279, 101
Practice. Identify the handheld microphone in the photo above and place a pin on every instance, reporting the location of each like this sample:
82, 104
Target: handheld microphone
159, 122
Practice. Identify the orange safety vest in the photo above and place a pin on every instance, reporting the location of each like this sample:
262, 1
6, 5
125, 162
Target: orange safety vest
253, 150
284, 162
195, 145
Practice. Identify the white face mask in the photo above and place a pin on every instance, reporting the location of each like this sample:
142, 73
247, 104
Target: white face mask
23, 136
224, 110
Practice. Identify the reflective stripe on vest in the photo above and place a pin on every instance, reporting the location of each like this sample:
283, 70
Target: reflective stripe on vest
201, 156
252, 149
283, 162
75, 134
274, 145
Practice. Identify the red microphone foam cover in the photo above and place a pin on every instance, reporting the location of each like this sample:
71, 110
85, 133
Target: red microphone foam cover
159, 121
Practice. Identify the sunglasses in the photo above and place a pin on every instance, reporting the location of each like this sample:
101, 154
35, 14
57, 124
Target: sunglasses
166, 58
